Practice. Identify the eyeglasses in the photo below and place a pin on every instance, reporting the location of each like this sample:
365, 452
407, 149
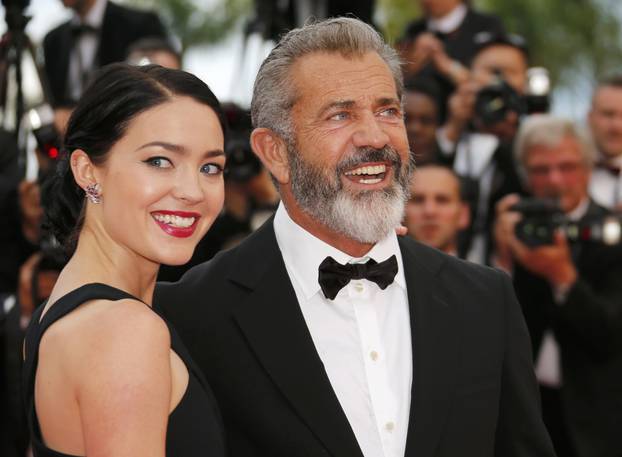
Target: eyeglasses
564, 168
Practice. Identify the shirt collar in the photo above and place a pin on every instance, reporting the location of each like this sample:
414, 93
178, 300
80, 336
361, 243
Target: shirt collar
303, 252
95, 16
450, 22
579, 211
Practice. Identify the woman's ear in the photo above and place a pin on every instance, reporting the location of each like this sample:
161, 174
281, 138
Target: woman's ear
272, 151
82, 168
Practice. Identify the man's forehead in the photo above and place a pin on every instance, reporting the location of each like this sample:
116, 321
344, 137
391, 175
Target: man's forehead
568, 147
342, 76
435, 181
608, 96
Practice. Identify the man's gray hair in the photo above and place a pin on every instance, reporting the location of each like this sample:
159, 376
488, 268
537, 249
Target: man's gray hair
547, 130
274, 94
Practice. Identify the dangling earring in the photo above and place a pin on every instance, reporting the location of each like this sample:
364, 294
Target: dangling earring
93, 193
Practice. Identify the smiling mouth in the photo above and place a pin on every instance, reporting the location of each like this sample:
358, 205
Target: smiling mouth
177, 224
174, 220
367, 174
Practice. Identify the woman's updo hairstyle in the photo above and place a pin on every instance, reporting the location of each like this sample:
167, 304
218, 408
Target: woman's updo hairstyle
119, 92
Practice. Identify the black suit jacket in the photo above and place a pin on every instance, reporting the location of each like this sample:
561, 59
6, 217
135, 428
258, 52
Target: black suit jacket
121, 28
588, 328
459, 45
473, 391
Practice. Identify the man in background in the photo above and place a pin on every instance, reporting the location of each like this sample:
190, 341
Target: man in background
570, 291
605, 120
422, 118
476, 140
441, 44
436, 212
100, 32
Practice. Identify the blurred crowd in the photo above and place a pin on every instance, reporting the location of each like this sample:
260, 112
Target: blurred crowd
499, 181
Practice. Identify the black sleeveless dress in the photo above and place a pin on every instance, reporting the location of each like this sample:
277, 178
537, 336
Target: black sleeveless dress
194, 426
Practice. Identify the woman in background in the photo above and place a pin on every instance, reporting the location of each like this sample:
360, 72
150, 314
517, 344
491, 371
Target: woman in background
139, 185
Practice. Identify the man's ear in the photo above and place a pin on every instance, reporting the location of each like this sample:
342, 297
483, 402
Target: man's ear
272, 151
82, 168
464, 219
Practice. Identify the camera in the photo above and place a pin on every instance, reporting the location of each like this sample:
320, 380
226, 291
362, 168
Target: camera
542, 217
14, 14
242, 164
537, 90
495, 101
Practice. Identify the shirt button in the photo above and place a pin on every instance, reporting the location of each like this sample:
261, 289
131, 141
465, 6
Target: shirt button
389, 426
359, 287
373, 355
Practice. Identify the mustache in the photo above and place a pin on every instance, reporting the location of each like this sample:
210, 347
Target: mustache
368, 154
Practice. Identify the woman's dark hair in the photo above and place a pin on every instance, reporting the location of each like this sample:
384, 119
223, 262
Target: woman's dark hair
119, 92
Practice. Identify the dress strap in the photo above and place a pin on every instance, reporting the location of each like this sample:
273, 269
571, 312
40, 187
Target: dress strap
72, 300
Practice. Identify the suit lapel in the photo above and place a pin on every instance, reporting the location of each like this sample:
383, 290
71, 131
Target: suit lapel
273, 323
110, 48
434, 330
60, 68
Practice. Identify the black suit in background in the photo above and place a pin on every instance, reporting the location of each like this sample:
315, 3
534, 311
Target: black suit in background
121, 27
459, 45
473, 392
588, 329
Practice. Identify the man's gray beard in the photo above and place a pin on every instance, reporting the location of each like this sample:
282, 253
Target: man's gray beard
367, 216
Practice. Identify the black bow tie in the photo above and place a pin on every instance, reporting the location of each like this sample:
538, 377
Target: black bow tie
83, 29
614, 169
333, 276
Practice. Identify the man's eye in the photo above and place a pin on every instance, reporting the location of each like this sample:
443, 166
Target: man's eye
159, 162
211, 169
339, 116
390, 112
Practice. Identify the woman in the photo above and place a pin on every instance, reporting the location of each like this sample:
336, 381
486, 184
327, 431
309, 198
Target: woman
140, 185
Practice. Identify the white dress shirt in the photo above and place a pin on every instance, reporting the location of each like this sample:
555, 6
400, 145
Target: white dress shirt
474, 154
83, 54
450, 22
362, 336
548, 364
605, 186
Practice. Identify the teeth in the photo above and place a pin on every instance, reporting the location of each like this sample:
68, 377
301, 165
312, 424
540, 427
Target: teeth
369, 170
370, 181
175, 221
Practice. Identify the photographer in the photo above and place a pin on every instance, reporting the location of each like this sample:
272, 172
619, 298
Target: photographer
440, 45
100, 32
476, 140
570, 291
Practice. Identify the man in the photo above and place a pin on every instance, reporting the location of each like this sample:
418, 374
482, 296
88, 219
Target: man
421, 116
419, 354
477, 137
436, 212
100, 32
441, 44
154, 51
570, 293
605, 120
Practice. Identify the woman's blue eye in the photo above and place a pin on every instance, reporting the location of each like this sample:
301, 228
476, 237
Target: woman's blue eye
211, 169
159, 162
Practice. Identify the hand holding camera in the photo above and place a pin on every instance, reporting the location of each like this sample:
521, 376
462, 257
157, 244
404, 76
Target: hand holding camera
552, 262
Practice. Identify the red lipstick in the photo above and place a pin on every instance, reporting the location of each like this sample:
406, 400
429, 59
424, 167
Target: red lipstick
178, 232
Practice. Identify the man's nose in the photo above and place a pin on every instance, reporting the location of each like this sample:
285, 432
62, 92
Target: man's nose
370, 133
